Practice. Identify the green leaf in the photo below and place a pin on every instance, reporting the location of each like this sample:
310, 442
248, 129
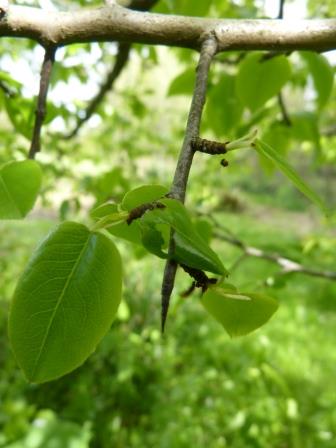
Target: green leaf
21, 113
305, 127
239, 313
190, 248
267, 151
20, 183
142, 195
322, 74
65, 301
104, 210
223, 109
129, 232
183, 84
277, 135
258, 80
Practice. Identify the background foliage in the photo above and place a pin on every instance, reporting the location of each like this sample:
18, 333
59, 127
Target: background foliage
195, 386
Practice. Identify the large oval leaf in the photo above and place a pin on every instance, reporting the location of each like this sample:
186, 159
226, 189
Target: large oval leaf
257, 80
64, 302
20, 183
239, 313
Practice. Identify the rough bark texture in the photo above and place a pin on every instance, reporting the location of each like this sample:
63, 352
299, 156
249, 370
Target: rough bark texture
115, 23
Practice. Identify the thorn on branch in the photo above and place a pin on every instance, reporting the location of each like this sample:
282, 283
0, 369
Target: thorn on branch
40, 113
167, 289
208, 146
179, 185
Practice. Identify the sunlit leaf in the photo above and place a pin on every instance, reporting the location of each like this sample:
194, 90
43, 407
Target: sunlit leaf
65, 301
239, 313
142, 195
20, 183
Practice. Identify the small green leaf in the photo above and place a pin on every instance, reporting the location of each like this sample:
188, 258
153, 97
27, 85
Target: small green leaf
20, 111
305, 127
322, 74
267, 151
239, 313
258, 81
142, 195
183, 84
103, 210
20, 183
65, 301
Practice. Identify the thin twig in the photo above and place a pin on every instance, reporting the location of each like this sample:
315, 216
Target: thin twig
120, 62
281, 9
285, 116
48, 62
119, 65
282, 105
179, 185
288, 266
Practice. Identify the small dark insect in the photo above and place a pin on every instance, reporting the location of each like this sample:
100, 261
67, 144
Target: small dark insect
137, 212
208, 146
224, 163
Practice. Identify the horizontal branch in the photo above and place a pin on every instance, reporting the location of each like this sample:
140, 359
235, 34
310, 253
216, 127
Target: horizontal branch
287, 265
115, 23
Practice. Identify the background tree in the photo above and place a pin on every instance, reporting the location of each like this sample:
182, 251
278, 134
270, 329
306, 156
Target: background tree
255, 75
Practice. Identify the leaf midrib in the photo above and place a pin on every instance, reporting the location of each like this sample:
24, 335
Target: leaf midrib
59, 300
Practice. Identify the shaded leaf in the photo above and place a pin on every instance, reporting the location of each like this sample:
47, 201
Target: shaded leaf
322, 74
258, 80
183, 84
223, 108
190, 248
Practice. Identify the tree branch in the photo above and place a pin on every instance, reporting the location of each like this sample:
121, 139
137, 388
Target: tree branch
179, 185
282, 105
288, 266
120, 63
115, 23
49, 58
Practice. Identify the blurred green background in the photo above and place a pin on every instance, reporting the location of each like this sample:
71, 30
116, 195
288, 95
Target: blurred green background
194, 386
